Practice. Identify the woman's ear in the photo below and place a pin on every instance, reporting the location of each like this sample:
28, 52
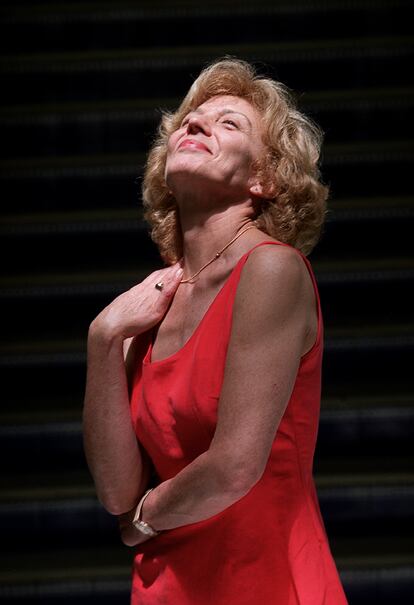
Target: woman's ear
257, 190
261, 183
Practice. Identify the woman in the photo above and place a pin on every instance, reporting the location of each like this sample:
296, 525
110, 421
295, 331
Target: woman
212, 480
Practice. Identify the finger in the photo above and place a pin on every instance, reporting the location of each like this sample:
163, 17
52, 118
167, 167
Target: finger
170, 280
154, 277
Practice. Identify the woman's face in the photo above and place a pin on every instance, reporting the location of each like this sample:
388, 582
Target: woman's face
215, 147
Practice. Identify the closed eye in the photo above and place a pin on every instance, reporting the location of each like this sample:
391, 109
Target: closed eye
231, 122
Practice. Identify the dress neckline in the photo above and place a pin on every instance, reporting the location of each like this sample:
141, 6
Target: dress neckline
147, 359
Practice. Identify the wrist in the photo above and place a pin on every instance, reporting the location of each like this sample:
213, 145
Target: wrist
103, 333
143, 526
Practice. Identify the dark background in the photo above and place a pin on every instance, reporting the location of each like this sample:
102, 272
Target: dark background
82, 88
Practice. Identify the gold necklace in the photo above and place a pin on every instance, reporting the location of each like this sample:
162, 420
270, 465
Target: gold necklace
217, 255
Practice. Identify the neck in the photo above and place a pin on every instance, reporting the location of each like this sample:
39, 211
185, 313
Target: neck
207, 234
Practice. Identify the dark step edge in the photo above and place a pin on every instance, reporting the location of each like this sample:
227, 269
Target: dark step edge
93, 587
95, 216
79, 574
71, 286
190, 56
332, 407
139, 108
148, 110
347, 345
339, 208
128, 221
131, 164
21, 428
103, 11
330, 488
65, 226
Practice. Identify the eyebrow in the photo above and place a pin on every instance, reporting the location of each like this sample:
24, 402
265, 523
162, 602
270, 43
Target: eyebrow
225, 110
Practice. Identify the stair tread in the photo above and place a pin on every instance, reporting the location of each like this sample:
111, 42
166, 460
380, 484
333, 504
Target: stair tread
375, 407
24, 282
190, 55
45, 486
144, 109
130, 218
125, 162
160, 8
63, 564
78, 486
89, 562
355, 405
358, 333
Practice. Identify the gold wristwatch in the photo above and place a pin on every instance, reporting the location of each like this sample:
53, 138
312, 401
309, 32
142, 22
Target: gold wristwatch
140, 525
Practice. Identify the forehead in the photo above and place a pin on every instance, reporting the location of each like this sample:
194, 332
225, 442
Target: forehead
220, 102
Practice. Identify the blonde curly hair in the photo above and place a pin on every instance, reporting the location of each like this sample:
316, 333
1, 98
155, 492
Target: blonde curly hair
296, 209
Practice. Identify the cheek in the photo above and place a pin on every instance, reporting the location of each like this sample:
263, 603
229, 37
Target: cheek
172, 142
241, 160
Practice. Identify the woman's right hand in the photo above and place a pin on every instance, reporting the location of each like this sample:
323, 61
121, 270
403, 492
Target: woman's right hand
140, 308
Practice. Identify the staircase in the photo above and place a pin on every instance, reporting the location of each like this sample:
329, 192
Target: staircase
82, 88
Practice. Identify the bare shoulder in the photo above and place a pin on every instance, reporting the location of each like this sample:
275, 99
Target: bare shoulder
275, 295
276, 268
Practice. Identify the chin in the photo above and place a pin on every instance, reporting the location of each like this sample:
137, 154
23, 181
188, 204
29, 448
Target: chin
190, 173
187, 163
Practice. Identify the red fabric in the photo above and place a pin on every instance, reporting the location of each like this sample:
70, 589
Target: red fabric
270, 547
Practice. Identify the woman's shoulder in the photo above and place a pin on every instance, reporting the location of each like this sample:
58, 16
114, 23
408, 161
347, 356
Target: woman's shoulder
275, 293
275, 271
270, 257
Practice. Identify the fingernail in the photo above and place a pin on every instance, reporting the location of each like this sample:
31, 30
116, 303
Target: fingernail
179, 272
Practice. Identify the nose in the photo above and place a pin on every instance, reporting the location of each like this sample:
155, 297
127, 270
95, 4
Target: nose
199, 123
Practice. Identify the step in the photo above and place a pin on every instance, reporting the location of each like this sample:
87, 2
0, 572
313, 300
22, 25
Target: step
375, 361
348, 510
129, 125
49, 440
373, 565
52, 445
90, 240
376, 584
356, 294
340, 211
73, 183
49, 27
379, 586
365, 434
64, 564
88, 591
362, 216
119, 74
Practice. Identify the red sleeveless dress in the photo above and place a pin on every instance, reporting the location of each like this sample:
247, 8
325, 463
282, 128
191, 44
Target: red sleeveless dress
270, 547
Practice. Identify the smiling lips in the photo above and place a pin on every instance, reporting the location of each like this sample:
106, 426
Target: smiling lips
192, 144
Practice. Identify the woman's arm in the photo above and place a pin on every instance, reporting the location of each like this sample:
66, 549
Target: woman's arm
274, 324
111, 448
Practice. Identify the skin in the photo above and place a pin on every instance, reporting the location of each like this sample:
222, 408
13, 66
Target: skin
209, 170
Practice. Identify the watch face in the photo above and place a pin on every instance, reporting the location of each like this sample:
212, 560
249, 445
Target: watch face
145, 528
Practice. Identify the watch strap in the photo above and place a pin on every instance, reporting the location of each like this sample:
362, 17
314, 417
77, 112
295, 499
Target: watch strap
141, 525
